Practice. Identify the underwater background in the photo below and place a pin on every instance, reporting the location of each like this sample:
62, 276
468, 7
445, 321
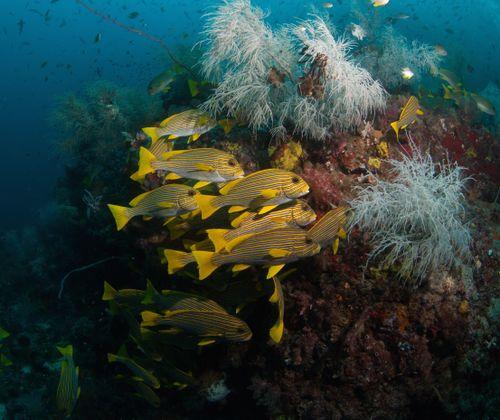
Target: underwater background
391, 309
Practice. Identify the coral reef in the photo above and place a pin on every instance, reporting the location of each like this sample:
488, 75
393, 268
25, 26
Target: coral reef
300, 75
416, 220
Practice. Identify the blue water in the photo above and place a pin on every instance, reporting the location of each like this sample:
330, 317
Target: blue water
468, 29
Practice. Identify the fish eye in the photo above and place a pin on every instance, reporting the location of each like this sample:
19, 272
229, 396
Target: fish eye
295, 179
231, 162
191, 193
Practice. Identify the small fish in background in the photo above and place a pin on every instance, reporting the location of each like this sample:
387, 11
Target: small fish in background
406, 73
449, 77
68, 390
273, 249
440, 50
327, 5
138, 371
210, 326
191, 123
266, 189
408, 115
133, 15
206, 165
20, 24
483, 104
165, 201
161, 83
379, 3
358, 32
331, 226
97, 38
470, 69
296, 214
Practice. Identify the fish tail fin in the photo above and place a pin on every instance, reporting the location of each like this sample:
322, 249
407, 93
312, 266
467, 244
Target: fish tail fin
121, 214
66, 351
217, 238
205, 262
276, 331
109, 292
151, 132
145, 159
395, 127
176, 260
148, 318
207, 204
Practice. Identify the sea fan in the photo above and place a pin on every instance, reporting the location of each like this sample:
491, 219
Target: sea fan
416, 219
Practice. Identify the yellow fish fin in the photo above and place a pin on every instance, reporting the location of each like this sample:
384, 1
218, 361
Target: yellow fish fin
121, 214
217, 238
206, 266
204, 167
148, 320
138, 199
234, 209
236, 222
275, 296
136, 177
190, 214
279, 253
228, 186
147, 218
342, 233
206, 204
193, 87
276, 332
145, 160
168, 220
236, 241
240, 267
269, 193
167, 120
195, 137
395, 127
172, 177
166, 205
335, 246
151, 132
66, 351
206, 342
201, 184
267, 209
420, 112
273, 270
176, 260
172, 136
172, 153
109, 292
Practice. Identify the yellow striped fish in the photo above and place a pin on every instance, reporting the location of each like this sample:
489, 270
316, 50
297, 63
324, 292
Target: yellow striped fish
165, 201
191, 123
276, 332
266, 189
273, 248
297, 214
68, 390
138, 371
212, 326
408, 115
206, 165
329, 226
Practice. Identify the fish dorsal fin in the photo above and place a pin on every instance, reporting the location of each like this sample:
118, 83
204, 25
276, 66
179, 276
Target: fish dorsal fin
234, 209
172, 153
236, 241
279, 253
139, 198
273, 270
167, 120
231, 184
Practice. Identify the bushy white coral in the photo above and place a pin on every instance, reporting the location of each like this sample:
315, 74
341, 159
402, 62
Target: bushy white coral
243, 52
416, 220
396, 52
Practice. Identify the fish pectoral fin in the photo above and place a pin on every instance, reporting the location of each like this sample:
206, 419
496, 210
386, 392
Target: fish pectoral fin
267, 209
172, 177
269, 193
166, 205
205, 167
342, 233
279, 253
240, 267
195, 136
234, 209
201, 184
273, 270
